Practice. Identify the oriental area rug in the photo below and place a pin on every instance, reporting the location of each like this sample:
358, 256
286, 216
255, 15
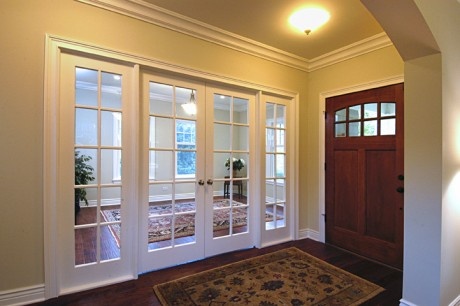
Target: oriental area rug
285, 277
160, 222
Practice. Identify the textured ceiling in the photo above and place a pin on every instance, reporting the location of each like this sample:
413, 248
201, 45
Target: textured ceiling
266, 21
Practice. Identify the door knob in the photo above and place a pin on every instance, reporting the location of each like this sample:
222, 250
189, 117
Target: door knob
210, 182
401, 177
400, 189
201, 182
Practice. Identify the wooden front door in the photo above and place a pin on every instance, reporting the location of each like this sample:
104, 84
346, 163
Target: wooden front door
364, 173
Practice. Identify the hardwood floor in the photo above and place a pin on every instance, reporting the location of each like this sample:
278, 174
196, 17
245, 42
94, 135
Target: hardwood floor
140, 291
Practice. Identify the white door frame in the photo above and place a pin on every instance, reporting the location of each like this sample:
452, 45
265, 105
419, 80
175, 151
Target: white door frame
322, 139
54, 46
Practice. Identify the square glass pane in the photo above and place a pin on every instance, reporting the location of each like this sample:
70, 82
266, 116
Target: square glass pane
280, 141
111, 129
85, 214
388, 127
280, 165
280, 116
86, 86
270, 140
222, 104
221, 166
269, 191
388, 109
240, 220
186, 102
280, 215
185, 197
340, 130
160, 229
110, 196
370, 110
354, 112
270, 165
110, 241
111, 91
240, 164
85, 245
86, 166
222, 136
161, 133
85, 127
110, 159
240, 138
341, 115
159, 192
354, 129
370, 128
186, 164
161, 165
240, 110
111, 214
280, 190
185, 134
221, 221
269, 217
161, 97
270, 114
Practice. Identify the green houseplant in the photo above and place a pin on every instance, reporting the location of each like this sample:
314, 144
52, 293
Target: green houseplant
83, 176
238, 164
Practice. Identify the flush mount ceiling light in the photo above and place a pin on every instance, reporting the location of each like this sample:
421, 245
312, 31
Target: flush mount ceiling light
309, 19
190, 106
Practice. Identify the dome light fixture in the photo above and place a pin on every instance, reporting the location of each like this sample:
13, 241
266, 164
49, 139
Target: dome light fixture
309, 19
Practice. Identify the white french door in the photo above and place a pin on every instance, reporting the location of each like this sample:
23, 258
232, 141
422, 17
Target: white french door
94, 207
156, 170
189, 209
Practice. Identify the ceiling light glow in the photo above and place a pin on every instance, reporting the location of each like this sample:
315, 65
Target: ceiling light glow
309, 19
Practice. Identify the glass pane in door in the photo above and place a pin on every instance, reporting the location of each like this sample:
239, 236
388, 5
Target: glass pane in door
231, 156
275, 167
98, 160
172, 210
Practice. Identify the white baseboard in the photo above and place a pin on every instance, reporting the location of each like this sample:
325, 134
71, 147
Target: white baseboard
455, 302
23, 296
309, 233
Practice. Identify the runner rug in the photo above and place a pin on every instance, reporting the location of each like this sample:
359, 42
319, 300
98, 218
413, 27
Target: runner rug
285, 277
160, 222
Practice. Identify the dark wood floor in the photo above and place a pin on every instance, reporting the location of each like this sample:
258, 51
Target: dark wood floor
140, 292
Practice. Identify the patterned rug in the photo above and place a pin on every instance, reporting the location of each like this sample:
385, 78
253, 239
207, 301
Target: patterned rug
160, 222
285, 277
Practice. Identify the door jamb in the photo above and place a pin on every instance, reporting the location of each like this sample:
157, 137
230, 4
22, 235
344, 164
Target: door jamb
322, 139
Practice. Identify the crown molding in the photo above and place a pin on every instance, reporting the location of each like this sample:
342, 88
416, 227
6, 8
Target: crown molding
153, 14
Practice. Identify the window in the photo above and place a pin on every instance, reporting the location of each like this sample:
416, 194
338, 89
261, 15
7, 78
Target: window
186, 149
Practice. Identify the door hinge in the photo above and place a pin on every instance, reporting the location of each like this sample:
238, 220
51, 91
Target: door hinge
325, 166
325, 114
325, 218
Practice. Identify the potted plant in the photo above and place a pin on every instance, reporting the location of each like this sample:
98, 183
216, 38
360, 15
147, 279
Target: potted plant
83, 176
237, 164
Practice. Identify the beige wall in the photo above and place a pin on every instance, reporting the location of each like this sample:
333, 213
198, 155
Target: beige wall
25, 23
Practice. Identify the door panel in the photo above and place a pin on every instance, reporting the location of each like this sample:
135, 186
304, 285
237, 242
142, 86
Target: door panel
229, 209
171, 208
94, 245
364, 167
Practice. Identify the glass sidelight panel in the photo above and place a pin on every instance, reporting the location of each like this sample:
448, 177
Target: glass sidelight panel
98, 162
275, 168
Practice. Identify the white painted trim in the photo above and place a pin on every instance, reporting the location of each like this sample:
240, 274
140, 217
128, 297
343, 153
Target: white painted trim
403, 302
308, 233
54, 46
356, 49
457, 299
23, 296
153, 14
322, 138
